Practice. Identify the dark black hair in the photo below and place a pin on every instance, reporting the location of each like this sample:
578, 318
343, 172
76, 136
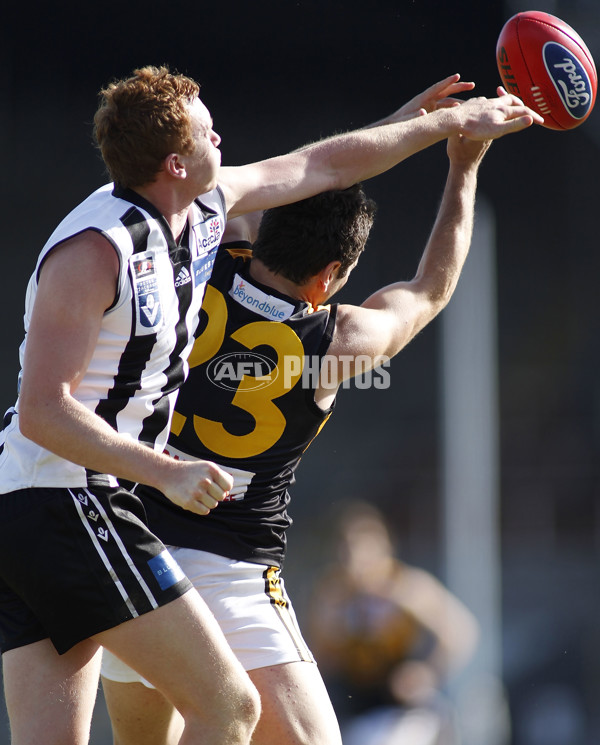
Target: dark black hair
299, 239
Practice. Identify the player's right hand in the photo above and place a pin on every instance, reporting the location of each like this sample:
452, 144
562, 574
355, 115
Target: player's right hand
197, 486
489, 118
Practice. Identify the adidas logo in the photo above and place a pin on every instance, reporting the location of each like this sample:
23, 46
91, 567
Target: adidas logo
183, 277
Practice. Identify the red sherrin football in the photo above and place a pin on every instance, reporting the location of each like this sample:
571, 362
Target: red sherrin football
546, 63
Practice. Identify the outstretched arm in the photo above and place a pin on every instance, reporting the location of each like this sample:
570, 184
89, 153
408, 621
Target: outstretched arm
440, 95
343, 160
392, 316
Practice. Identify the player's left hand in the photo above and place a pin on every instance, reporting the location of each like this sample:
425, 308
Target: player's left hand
437, 96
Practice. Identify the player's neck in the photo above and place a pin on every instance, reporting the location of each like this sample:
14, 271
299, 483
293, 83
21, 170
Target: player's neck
265, 276
172, 205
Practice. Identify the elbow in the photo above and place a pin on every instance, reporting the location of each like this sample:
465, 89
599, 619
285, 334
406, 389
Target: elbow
440, 295
442, 300
35, 414
435, 305
28, 420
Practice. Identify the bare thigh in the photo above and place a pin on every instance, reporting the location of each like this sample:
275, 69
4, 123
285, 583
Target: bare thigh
50, 697
180, 649
296, 709
140, 715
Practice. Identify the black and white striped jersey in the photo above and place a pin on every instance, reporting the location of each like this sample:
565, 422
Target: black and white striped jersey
146, 335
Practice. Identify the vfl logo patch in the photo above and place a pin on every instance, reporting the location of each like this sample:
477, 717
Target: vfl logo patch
149, 305
570, 79
166, 570
265, 305
146, 292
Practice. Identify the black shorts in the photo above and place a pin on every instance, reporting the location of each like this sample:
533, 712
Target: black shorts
74, 562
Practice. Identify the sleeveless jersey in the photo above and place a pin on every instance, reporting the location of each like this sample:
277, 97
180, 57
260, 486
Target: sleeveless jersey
140, 359
247, 405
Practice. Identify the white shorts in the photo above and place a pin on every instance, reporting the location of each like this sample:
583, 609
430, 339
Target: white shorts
249, 602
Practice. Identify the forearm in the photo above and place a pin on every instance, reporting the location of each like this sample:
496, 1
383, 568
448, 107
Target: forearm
373, 150
450, 238
67, 428
333, 163
395, 314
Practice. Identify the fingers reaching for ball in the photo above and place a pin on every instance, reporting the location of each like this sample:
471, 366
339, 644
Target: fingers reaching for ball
491, 118
518, 106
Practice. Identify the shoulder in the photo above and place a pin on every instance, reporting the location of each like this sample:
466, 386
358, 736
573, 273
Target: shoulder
236, 249
102, 212
89, 252
354, 329
232, 254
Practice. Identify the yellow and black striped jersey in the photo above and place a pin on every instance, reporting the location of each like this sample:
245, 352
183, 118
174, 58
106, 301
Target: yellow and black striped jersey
248, 405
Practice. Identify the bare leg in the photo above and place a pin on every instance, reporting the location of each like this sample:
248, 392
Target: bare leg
50, 697
296, 709
140, 715
181, 650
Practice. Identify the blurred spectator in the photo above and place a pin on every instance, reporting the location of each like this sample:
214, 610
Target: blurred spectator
387, 636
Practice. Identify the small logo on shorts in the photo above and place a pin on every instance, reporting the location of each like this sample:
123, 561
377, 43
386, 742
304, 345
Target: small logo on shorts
166, 570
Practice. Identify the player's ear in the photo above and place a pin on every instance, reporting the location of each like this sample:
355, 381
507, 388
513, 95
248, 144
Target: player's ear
173, 165
329, 272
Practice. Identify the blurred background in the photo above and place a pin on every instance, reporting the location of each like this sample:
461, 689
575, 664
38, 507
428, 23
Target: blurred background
483, 453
